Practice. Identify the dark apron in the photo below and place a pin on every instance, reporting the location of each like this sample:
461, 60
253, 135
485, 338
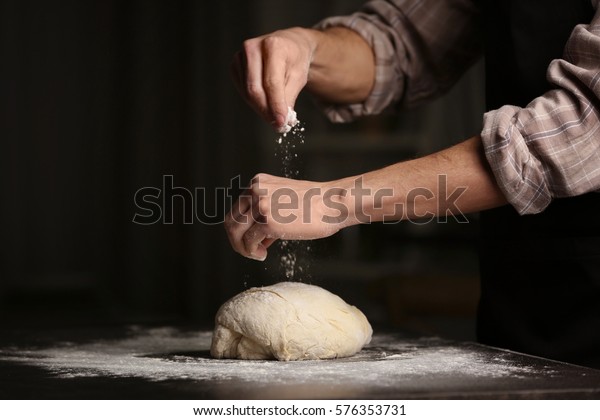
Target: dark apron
540, 274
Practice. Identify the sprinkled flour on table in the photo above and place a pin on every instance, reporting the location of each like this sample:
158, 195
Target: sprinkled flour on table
178, 362
158, 354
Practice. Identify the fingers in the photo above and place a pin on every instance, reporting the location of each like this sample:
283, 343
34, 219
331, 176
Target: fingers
270, 73
294, 85
235, 232
252, 78
274, 208
274, 79
241, 206
267, 242
248, 239
246, 224
259, 237
253, 239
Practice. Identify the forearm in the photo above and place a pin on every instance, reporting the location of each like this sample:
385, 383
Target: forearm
454, 181
419, 51
342, 69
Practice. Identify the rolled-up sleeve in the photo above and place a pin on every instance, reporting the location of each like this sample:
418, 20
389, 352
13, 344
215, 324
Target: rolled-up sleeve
551, 148
421, 48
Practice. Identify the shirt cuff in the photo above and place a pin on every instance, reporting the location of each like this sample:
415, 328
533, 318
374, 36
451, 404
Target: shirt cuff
518, 173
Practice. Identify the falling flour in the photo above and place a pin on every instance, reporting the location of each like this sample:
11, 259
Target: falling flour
292, 136
290, 122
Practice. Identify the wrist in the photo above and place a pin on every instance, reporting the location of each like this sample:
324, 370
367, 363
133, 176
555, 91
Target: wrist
371, 197
337, 49
357, 201
312, 38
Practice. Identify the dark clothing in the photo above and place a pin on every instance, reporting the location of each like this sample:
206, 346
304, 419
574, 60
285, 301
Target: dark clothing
540, 273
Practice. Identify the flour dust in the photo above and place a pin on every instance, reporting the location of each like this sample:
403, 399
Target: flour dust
294, 255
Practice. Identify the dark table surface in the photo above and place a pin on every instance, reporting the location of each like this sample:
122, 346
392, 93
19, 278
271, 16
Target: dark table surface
174, 363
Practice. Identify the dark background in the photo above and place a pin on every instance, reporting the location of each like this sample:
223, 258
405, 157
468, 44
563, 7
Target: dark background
101, 98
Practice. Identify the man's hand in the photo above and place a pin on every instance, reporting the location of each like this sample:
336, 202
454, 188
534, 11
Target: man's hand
280, 208
336, 65
456, 181
271, 70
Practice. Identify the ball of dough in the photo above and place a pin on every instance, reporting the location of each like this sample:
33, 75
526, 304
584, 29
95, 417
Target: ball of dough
288, 321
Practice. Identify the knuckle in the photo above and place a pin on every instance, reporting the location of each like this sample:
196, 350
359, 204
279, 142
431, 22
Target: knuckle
257, 179
253, 90
272, 42
247, 241
271, 82
299, 75
264, 207
249, 45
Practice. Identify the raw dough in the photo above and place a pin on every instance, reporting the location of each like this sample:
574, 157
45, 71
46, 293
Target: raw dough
288, 321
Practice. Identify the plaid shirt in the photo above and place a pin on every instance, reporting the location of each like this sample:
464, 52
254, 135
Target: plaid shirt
548, 149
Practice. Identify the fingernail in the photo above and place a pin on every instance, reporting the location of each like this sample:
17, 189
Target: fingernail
279, 121
257, 258
280, 118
